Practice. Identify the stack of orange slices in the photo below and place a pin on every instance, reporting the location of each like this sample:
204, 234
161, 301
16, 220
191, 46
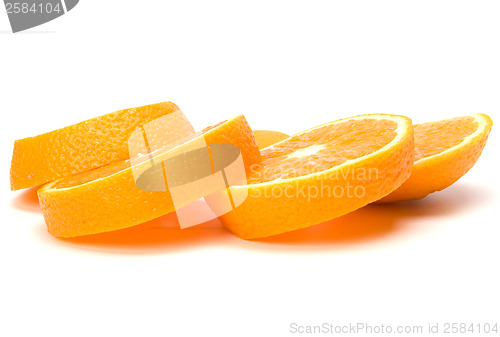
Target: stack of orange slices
292, 182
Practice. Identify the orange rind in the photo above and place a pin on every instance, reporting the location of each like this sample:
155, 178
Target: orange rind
80, 147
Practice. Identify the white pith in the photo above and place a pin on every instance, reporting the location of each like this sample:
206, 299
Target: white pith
307, 151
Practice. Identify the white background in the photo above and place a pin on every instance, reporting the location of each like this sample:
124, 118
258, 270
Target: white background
286, 65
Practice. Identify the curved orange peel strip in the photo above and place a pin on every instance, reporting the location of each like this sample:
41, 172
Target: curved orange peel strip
80, 147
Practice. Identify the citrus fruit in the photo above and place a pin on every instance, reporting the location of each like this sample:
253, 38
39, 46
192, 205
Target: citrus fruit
108, 198
80, 147
265, 138
322, 173
444, 151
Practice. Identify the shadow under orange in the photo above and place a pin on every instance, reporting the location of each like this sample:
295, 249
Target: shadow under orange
27, 200
371, 222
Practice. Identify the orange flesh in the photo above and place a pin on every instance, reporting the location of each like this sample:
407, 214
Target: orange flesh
323, 148
436, 137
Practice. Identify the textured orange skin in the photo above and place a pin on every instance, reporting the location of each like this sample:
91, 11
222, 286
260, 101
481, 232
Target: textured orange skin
80, 147
115, 202
260, 216
437, 172
267, 138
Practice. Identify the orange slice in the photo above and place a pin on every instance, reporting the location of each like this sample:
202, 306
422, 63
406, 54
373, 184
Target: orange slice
322, 173
267, 138
77, 148
107, 198
444, 152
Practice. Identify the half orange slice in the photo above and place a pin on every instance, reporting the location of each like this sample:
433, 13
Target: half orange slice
267, 138
323, 173
444, 152
108, 198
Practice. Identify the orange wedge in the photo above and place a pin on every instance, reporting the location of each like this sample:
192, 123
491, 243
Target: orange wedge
77, 148
444, 152
107, 198
322, 173
265, 138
